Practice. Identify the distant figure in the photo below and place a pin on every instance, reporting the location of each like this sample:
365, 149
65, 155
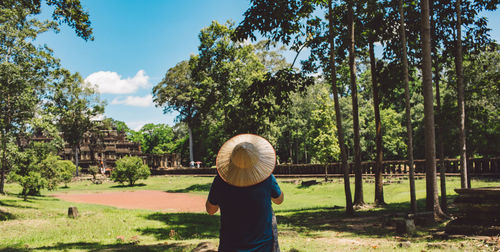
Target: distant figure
102, 167
243, 190
191, 164
198, 164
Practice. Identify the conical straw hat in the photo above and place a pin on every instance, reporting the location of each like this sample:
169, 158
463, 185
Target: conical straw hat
245, 160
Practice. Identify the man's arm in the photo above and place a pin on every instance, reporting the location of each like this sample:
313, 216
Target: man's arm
278, 200
211, 208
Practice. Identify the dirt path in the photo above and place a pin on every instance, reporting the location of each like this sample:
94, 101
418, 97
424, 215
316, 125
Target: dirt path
153, 200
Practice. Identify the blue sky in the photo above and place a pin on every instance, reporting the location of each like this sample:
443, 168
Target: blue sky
136, 42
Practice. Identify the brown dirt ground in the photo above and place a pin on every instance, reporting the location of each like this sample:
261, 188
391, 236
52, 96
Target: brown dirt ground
153, 200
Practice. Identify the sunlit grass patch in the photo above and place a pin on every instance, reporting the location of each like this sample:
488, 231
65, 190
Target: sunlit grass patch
310, 219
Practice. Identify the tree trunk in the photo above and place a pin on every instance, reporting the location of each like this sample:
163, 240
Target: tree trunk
440, 145
438, 118
461, 99
190, 132
75, 148
379, 178
358, 179
409, 129
432, 199
4, 162
333, 75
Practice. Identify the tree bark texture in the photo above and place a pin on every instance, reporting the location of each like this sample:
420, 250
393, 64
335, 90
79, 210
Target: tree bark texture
379, 178
347, 189
358, 179
75, 148
432, 199
4, 162
409, 130
438, 118
461, 99
190, 132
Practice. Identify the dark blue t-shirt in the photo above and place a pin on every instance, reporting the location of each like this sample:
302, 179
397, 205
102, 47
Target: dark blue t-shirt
246, 214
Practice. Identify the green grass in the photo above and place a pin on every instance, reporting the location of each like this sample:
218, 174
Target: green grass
308, 220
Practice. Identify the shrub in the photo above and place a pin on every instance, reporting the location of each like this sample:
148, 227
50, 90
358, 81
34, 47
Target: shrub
129, 169
66, 170
32, 183
93, 170
50, 171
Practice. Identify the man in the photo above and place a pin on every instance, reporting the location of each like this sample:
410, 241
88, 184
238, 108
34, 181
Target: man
243, 190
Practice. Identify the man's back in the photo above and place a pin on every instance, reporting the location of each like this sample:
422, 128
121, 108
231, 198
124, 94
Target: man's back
246, 214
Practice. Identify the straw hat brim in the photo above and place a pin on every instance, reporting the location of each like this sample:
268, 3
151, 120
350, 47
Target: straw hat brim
259, 172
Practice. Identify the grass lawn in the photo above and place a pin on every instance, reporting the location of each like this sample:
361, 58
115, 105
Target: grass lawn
310, 219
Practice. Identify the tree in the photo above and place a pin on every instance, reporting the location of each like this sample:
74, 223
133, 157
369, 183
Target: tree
358, 180
294, 23
178, 91
34, 162
461, 106
157, 139
24, 67
66, 169
130, 169
69, 12
432, 199
75, 105
321, 133
439, 116
374, 30
409, 130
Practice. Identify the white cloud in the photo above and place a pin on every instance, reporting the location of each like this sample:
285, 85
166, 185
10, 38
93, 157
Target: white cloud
112, 83
137, 101
136, 125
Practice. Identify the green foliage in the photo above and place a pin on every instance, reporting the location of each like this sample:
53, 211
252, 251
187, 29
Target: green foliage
93, 170
66, 170
159, 138
482, 106
50, 170
129, 169
69, 12
74, 104
32, 183
305, 220
25, 69
120, 126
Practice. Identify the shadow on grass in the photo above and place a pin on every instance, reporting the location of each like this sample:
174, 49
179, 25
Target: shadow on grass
193, 188
94, 246
182, 226
368, 222
4, 216
128, 186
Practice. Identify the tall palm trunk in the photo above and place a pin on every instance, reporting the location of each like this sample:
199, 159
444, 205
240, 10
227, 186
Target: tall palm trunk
379, 178
340, 132
432, 199
461, 99
358, 179
409, 130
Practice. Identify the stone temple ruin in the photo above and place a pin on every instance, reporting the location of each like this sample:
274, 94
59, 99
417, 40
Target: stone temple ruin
113, 146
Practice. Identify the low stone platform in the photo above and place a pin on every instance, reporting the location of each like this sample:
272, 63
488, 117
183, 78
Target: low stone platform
480, 212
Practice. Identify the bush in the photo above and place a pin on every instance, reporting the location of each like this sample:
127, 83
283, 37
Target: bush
50, 171
93, 170
129, 169
66, 170
32, 183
